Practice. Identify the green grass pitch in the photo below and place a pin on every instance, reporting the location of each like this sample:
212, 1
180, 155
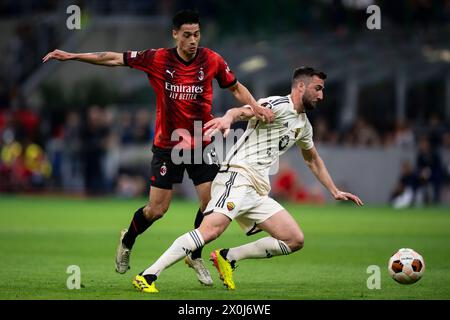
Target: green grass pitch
41, 237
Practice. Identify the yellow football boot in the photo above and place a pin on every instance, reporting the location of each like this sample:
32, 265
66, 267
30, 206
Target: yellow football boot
225, 269
142, 284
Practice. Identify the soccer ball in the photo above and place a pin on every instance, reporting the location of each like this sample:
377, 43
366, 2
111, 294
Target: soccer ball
406, 266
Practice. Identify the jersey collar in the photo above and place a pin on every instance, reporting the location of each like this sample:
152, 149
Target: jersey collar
186, 63
292, 106
291, 103
301, 117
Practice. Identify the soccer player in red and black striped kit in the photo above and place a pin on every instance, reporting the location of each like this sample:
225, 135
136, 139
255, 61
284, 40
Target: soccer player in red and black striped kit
182, 79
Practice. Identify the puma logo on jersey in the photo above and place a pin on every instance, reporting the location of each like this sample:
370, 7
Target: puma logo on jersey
171, 73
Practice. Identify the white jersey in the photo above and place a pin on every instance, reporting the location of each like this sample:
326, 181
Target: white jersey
262, 143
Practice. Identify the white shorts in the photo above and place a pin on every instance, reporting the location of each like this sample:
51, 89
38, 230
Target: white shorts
234, 196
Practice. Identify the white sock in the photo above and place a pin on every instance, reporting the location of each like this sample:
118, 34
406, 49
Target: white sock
263, 248
180, 248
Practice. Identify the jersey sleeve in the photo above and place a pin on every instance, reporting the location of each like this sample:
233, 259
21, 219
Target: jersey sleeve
141, 60
272, 105
264, 102
306, 140
224, 76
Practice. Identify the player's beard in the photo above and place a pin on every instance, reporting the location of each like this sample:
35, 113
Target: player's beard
308, 104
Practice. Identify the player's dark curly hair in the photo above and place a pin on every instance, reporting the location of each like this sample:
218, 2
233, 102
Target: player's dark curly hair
185, 17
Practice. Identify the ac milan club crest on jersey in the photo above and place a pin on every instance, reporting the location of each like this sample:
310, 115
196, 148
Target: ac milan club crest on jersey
201, 74
163, 170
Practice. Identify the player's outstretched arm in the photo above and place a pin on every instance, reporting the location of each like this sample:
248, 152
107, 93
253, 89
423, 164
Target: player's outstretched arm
241, 93
224, 123
107, 58
320, 171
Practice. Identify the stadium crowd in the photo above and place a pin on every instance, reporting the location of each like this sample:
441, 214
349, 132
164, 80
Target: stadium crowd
40, 31
79, 153
76, 150
73, 155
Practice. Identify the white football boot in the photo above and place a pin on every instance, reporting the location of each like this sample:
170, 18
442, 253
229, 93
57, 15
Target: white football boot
203, 274
122, 255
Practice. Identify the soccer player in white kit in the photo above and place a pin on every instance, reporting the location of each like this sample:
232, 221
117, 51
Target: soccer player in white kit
240, 190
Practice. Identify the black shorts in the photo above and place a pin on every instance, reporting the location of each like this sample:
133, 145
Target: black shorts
164, 172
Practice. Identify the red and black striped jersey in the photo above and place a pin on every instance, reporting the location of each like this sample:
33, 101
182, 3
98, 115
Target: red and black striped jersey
184, 89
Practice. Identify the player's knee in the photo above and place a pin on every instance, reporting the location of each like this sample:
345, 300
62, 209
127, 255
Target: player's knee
155, 211
210, 233
204, 200
203, 206
216, 232
147, 212
297, 242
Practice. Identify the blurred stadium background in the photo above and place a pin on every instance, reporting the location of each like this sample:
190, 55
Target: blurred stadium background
383, 127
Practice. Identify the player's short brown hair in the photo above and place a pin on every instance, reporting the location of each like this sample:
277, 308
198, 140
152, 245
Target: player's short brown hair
185, 17
307, 72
